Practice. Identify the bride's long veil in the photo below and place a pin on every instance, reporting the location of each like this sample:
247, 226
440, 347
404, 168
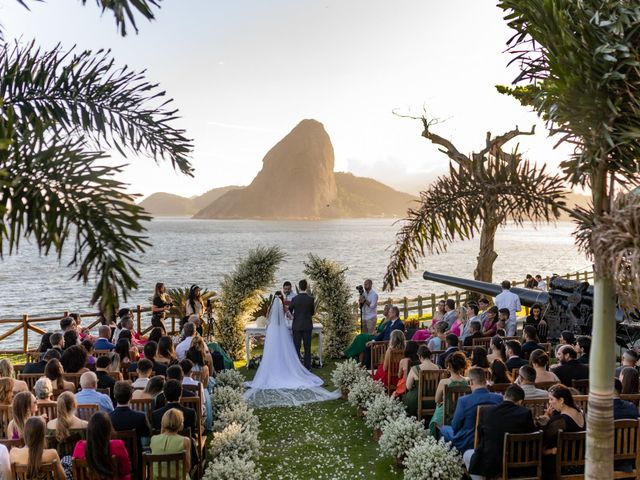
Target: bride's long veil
281, 379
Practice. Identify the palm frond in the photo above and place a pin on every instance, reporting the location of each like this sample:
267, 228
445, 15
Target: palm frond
125, 11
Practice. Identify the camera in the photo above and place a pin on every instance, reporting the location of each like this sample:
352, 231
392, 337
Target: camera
360, 289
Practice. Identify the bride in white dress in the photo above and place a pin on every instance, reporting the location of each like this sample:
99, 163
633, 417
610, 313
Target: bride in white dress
281, 379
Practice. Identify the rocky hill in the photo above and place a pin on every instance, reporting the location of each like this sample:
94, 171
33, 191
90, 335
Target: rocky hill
162, 204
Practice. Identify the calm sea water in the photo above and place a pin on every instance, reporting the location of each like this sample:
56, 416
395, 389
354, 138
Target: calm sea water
189, 251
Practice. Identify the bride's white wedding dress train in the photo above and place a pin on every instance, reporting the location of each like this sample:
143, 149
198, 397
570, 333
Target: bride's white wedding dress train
281, 379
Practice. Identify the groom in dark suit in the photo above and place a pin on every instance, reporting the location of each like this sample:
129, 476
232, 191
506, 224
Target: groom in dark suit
302, 307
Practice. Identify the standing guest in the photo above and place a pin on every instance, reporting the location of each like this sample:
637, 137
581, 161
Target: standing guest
34, 453
161, 304
457, 365
105, 380
357, 347
369, 304
189, 331
88, 346
103, 343
475, 331
452, 347
66, 422
43, 390
195, 305
155, 335
536, 320
530, 282
23, 407
507, 417
527, 377
71, 338
629, 359
150, 351
622, 409
569, 368
410, 398
461, 431
451, 314
438, 342
497, 350
6, 390
539, 360
394, 324
57, 342
479, 358
166, 352
6, 371
396, 345
170, 441
99, 448
531, 340
509, 300
172, 391
514, 355
145, 370
288, 294
54, 372
74, 359
88, 394
583, 347
39, 366
490, 325
471, 316
153, 388
500, 373
124, 418
630, 380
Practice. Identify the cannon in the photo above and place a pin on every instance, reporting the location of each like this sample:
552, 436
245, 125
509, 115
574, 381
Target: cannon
567, 305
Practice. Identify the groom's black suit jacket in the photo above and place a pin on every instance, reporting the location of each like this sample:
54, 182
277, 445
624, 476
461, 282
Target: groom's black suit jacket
303, 308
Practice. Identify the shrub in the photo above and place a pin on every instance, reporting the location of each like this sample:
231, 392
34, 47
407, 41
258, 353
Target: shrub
383, 409
241, 415
364, 391
234, 441
347, 373
232, 468
430, 459
225, 398
231, 378
401, 435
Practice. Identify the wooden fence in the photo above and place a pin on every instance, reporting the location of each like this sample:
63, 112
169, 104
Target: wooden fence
421, 306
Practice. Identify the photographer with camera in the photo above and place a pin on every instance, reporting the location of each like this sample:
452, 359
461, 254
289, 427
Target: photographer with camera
368, 306
161, 305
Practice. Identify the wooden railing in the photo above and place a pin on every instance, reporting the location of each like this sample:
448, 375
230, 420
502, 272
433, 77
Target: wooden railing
422, 306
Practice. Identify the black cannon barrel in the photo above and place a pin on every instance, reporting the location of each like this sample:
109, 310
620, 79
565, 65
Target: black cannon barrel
527, 296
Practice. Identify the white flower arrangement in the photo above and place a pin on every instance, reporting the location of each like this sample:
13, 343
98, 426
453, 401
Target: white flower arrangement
240, 415
235, 441
232, 468
231, 378
347, 373
430, 459
225, 398
401, 435
383, 409
364, 391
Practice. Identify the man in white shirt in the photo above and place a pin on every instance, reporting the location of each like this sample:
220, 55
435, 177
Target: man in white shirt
189, 332
369, 304
527, 380
542, 284
509, 300
144, 368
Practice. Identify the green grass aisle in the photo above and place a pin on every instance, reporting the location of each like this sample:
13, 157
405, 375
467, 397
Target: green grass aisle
319, 441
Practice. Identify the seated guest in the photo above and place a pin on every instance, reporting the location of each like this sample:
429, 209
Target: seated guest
531, 340
166, 352
471, 316
630, 380
23, 407
57, 342
203, 393
497, 350
34, 453
124, 351
174, 372
45, 343
583, 347
172, 391
461, 431
356, 349
38, 367
438, 342
569, 368
43, 390
566, 338
153, 388
67, 324
479, 358
394, 324
539, 360
124, 418
89, 395
98, 449
514, 355
71, 339
500, 374
6, 371
88, 346
458, 324
54, 372
105, 380
156, 334
457, 364
103, 342
83, 332
188, 332
66, 419
452, 346
170, 441
5, 464
450, 313
507, 417
150, 351
475, 331
410, 398
490, 324
409, 359
527, 380
74, 359
202, 360
144, 369
6, 391
396, 345
629, 359
503, 318
622, 409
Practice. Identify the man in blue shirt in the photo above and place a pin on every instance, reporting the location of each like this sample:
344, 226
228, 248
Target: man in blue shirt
103, 343
462, 428
394, 324
89, 395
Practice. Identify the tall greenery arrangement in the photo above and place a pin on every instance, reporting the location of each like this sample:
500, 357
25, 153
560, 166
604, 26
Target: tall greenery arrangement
579, 62
240, 295
180, 296
333, 295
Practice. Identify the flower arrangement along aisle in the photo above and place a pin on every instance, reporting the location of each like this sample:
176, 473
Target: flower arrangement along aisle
362, 392
430, 460
399, 436
380, 410
346, 374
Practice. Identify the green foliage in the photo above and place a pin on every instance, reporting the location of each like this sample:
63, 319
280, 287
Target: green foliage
333, 294
124, 11
241, 295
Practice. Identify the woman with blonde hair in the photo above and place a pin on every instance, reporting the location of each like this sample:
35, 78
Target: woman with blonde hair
6, 390
396, 344
6, 371
23, 407
170, 441
34, 454
66, 421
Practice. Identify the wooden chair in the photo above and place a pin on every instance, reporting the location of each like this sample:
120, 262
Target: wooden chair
6, 414
507, 339
193, 388
626, 447
74, 378
104, 391
522, 452
195, 404
82, 472
499, 387
435, 354
570, 456
378, 350
30, 379
33, 356
632, 397
547, 347
394, 367
480, 411
18, 368
427, 386
538, 406
545, 385
48, 409
67, 446
86, 411
164, 466
515, 373
47, 471
10, 443
101, 353
581, 385
130, 439
582, 402
117, 376
451, 396
482, 342
144, 405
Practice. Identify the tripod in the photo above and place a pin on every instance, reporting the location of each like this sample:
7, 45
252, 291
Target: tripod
210, 322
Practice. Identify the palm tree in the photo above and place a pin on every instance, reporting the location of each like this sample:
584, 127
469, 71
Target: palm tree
580, 63
481, 192
60, 110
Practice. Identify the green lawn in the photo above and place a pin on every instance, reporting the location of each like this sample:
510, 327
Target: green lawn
319, 441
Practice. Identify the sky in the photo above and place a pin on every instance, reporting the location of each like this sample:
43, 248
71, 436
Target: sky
243, 73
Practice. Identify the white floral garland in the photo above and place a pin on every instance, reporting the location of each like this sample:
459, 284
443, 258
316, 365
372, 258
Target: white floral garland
347, 373
364, 391
430, 459
383, 409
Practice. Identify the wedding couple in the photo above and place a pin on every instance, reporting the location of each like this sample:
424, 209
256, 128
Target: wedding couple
282, 379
